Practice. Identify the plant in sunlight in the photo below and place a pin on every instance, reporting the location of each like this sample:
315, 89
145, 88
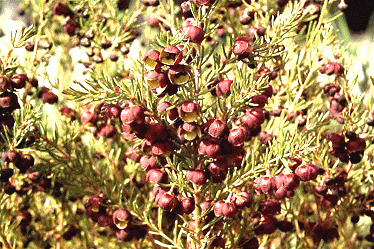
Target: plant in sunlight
201, 124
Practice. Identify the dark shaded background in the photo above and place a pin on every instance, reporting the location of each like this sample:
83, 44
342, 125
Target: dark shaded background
358, 14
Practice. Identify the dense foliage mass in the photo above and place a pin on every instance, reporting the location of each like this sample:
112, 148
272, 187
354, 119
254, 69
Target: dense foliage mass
201, 124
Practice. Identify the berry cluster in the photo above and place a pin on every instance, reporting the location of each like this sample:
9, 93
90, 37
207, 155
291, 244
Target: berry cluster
351, 150
12, 160
101, 118
338, 101
120, 221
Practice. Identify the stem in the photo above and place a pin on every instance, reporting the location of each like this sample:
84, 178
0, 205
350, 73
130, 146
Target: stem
6, 242
162, 234
197, 216
39, 33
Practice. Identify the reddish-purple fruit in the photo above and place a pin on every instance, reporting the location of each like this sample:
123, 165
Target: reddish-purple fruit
110, 111
242, 46
356, 144
179, 74
167, 202
121, 218
162, 148
196, 176
253, 118
189, 111
218, 208
238, 136
218, 170
270, 207
260, 100
49, 97
243, 199
4, 83
268, 225
229, 210
132, 114
19, 81
8, 102
289, 181
264, 184
156, 176
209, 148
148, 162
223, 88
337, 141
151, 58
170, 56
215, 128
194, 34
60, 9
156, 131
265, 138
187, 205
307, 172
